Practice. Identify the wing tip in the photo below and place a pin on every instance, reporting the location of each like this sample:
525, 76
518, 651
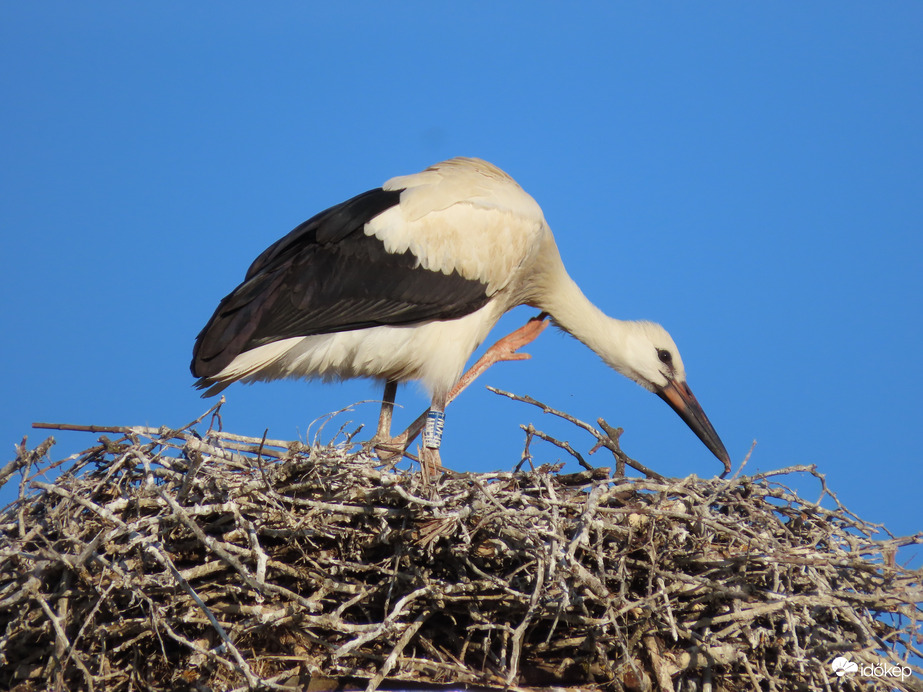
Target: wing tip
211, 386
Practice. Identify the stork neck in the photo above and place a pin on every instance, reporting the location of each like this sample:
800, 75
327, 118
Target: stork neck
574, 313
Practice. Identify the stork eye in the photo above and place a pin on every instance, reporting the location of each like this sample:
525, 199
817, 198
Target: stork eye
665, 356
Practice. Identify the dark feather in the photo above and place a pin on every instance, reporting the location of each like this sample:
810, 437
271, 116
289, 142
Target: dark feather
328, 276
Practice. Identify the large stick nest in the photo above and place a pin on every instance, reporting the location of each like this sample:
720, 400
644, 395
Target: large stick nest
176, 559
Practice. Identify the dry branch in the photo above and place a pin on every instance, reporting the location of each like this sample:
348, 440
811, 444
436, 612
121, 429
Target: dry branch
184, 559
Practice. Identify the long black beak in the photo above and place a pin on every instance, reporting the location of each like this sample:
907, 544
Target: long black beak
683, 401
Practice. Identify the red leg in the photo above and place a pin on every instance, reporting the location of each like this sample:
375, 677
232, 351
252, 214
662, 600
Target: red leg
386, 446
430, 461
505, 349
387, 410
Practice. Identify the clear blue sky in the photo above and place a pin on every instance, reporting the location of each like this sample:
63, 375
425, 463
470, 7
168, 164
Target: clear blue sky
747, 174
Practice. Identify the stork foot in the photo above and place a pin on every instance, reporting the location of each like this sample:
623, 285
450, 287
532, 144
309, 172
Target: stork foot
390, 452
387, 450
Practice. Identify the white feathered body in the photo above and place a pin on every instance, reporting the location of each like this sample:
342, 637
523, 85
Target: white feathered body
462, 215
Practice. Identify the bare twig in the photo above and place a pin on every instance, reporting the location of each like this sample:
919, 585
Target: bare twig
609, 440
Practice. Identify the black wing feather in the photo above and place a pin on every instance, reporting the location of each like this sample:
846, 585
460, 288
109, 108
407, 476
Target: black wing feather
328, 276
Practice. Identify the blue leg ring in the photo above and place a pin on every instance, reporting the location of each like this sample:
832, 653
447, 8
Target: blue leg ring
432, 430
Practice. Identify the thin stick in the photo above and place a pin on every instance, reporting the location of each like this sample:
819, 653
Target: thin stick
605, 440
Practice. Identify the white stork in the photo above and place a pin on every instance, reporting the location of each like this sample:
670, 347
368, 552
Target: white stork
404, 282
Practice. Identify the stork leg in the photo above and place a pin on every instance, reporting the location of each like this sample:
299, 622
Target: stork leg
505, 349
386, 446
433, 423
387, 411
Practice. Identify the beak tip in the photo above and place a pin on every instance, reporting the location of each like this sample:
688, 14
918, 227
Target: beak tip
725, 459
687, 406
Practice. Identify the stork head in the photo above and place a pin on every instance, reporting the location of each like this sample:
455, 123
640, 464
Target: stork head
650, 357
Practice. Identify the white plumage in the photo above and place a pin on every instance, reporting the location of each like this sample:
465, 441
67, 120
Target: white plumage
404, 282
393, 353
